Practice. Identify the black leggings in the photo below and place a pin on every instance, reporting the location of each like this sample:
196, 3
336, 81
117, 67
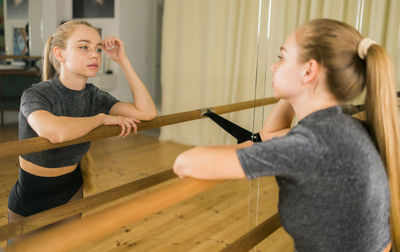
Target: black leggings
32, 194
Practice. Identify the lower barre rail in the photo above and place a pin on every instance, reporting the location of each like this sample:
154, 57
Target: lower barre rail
255, 236
78, 232
56, 214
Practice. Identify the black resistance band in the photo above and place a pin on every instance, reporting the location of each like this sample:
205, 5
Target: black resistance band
241, 134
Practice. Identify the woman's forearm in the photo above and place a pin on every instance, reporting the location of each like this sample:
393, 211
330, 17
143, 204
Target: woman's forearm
220, 162
278, 121
59, 129
142, 98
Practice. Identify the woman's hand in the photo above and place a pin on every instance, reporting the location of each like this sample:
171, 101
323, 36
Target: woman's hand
125, 123
114, 48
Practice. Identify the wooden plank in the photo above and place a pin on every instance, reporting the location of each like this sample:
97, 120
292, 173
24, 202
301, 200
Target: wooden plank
36, 144
20, 57
278, 241
255, 236
29, 72
207, 222
223, 109
75, 233
73, 208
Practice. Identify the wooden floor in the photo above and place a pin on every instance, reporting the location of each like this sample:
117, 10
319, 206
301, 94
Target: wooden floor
207, 222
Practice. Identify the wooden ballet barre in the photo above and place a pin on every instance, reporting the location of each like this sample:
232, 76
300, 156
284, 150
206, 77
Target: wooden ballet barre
73, 234
255, 236
76, 207
15, 148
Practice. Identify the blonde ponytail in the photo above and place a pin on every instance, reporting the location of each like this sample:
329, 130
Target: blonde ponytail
383, 117
86, 165
48, 70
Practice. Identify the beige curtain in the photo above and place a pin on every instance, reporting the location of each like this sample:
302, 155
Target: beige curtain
208, 59
216, 52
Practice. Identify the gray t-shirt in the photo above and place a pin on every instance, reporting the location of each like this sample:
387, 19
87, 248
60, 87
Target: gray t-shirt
333, 189
59, 100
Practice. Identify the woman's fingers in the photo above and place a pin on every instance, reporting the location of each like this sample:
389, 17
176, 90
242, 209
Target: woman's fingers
111, 45
129, 124
111, 42
134, 127
128, 128
126, 124
122, 125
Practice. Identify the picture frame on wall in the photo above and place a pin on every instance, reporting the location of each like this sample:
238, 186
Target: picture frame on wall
93, 8
17, 9
20, 41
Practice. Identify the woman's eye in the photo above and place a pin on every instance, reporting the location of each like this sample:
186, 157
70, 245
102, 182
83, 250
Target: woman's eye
83, 47
99, 50
280, 57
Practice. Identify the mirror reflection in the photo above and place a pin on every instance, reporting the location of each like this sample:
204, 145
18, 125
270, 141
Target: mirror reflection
117, 162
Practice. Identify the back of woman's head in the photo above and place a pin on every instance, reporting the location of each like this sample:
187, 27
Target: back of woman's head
333, 44
51, 67
351, 64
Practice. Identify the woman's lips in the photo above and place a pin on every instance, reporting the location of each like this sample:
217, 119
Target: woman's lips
93, 66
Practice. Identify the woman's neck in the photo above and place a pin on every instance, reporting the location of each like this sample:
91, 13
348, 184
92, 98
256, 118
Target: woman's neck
72, 81
304, 106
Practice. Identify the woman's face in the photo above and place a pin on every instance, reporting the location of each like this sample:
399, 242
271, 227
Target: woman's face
82, 54
287, 71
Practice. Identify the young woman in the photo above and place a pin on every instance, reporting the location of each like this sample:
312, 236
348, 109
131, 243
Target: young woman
338, 177
64, 107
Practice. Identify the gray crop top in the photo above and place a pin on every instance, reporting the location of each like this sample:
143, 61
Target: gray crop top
333, 189
54, 97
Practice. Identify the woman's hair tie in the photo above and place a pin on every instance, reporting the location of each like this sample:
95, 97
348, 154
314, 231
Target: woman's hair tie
363, 47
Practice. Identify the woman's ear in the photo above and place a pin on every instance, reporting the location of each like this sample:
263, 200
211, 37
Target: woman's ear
58, 54
310, 72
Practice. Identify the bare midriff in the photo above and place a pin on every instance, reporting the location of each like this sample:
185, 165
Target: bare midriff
44, 171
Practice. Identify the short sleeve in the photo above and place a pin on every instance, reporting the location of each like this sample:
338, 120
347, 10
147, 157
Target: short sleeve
32, 100
103, 101
282, 156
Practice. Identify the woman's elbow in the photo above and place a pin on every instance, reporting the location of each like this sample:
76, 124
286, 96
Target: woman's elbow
53, 137
181, 169
58, 137
146, 115
151, 115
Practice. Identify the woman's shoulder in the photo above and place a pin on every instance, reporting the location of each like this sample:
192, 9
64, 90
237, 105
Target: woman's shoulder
339, 129
40, 86
333, 117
